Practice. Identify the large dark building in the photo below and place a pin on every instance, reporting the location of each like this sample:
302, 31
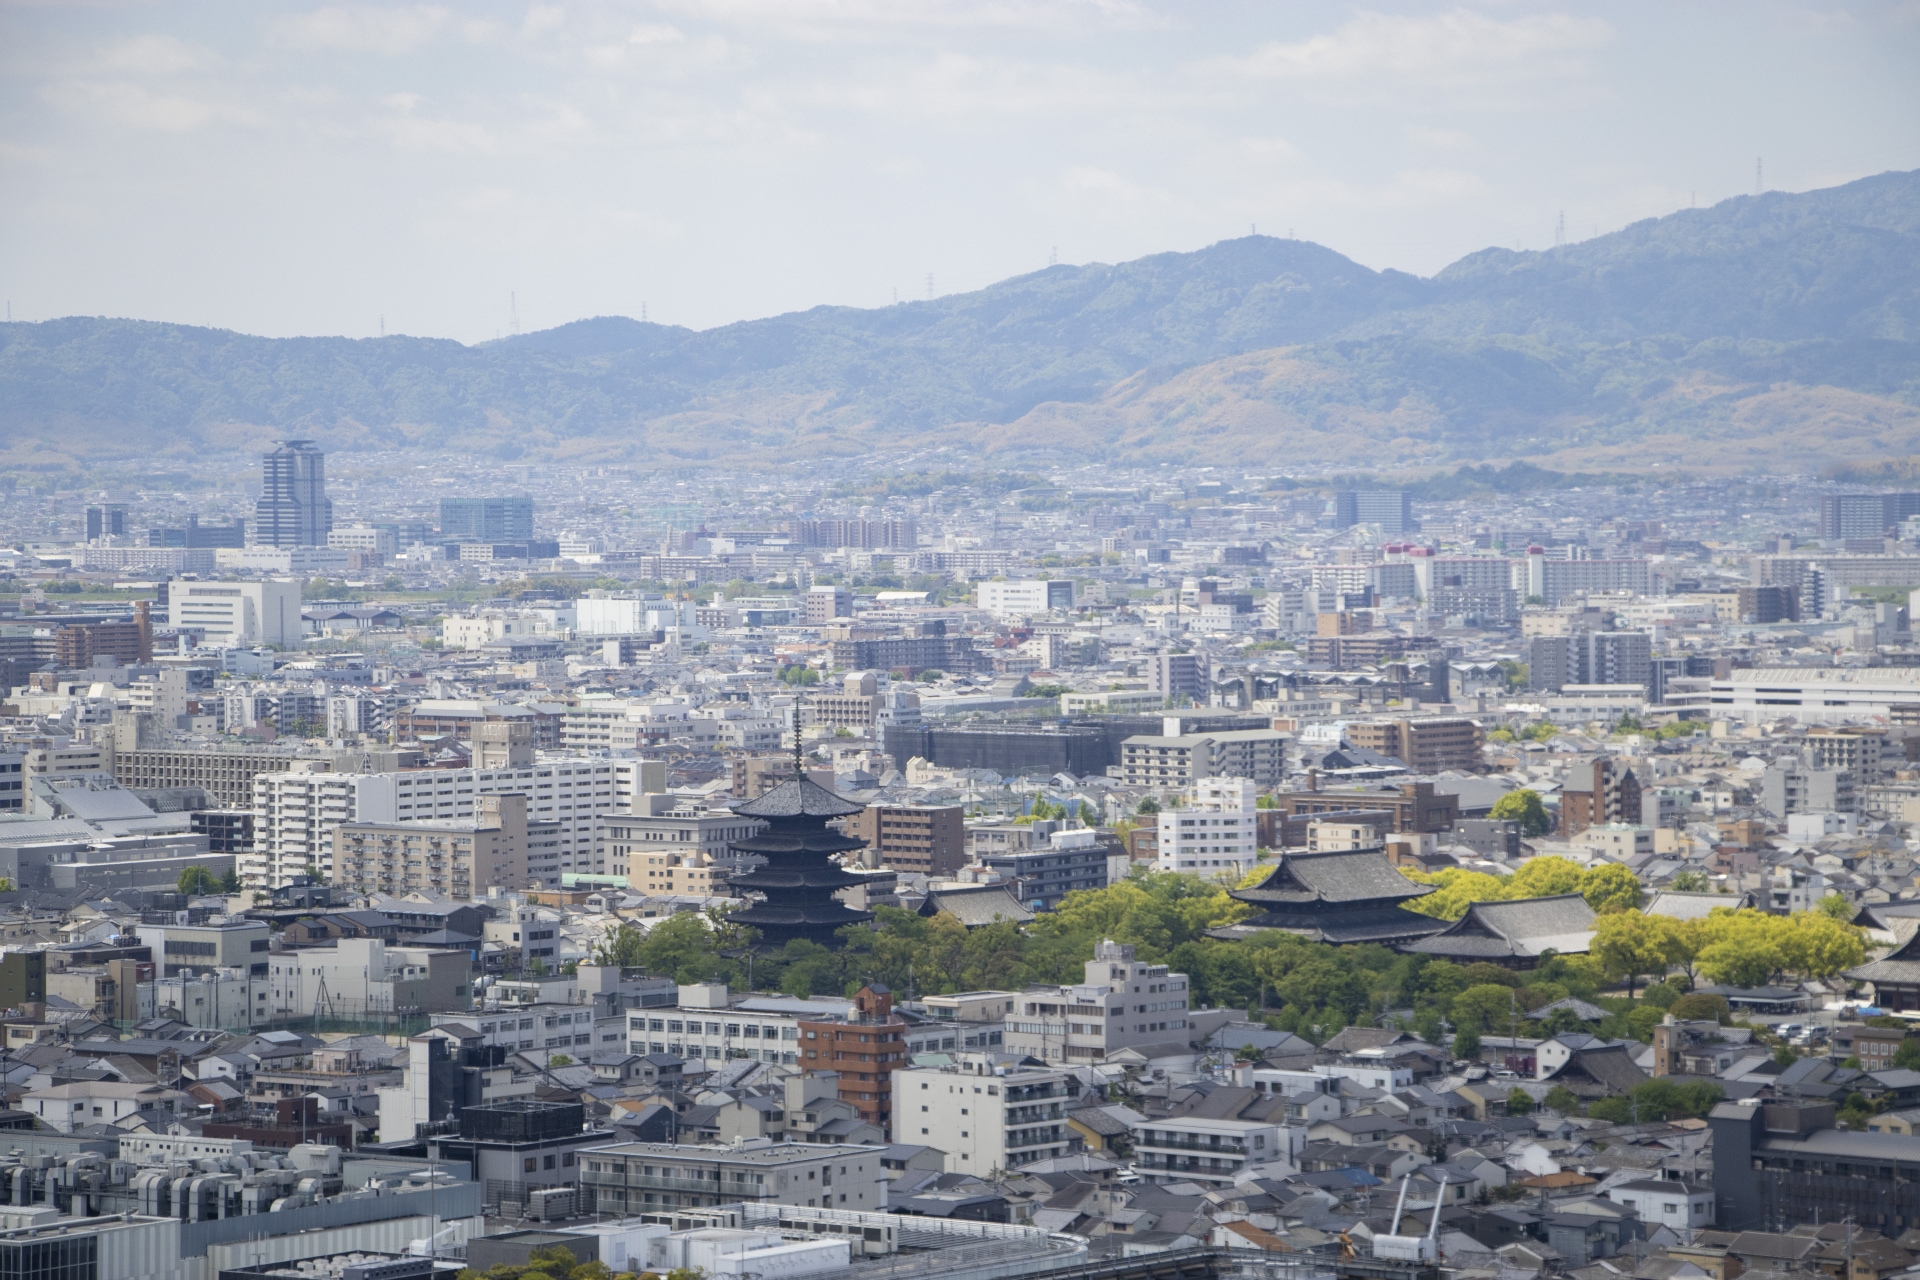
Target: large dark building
1008, 750
487, 519
1782, 1164
798, 880
1865, 515
293, 510
196, 536
1391, 509
1774, 602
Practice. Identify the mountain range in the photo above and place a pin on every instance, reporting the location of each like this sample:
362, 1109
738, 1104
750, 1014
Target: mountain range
1779, 331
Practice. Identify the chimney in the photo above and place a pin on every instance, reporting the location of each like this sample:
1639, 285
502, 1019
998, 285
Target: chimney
1313, 779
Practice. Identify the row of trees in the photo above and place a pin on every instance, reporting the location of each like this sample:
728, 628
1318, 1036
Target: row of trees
1606, 887
1738, 948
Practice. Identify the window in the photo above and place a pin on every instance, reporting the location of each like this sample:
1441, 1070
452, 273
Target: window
529, 1165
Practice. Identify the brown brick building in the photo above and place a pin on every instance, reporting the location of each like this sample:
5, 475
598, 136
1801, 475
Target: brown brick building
75, 648
1597, 794
1426, 744
1415, 806
928, 839
865, 1049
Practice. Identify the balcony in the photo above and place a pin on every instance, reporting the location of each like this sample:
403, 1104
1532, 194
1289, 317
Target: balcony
1145, 1141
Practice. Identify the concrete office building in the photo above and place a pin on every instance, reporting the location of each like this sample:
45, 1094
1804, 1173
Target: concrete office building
237, 614
1041, 876
1215, 834
1179, 763
825, 602
486, 519
984, 1121
713, 1024
1025, 596
293, 509
1123, 1003
1177, 677
1589, 657
647, 1177
1555, 580
1391, 509
238, 944
359, 976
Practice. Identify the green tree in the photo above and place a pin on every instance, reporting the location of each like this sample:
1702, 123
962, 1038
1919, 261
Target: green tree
1519, 1102
1907, 1056
1699, 1007
1836, 906
1611, 887
1562, 1099
560, 1060
622, 947
1525, 807
196, 881
230, 882
1690, 882
1466, 1043
1147, 805
1487, 1007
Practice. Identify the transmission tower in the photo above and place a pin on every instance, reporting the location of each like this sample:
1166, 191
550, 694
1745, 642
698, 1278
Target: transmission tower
1759, 185
513, 314
1560, 230
929, 286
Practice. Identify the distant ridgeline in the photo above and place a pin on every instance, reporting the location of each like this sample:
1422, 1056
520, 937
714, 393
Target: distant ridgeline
1772, 331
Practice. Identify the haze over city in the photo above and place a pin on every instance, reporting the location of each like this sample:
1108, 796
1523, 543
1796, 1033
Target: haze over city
1021, 640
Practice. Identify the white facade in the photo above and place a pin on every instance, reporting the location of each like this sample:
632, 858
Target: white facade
983, 1117
1123, 1004
1667, 1201
1813, 695
1038, 595
1211, 1153
709, 1023
604, 616
1215, 834
303, 562
362, 537
230, 614
294, 814
569, 796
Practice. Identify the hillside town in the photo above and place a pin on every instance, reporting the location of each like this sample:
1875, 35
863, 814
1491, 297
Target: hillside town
571, 871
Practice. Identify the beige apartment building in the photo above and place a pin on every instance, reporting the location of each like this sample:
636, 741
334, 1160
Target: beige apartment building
457, 857
930, 840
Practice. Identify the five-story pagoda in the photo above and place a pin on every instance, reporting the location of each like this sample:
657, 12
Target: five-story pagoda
799, 879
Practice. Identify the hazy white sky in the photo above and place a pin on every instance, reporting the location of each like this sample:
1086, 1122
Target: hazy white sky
292, 169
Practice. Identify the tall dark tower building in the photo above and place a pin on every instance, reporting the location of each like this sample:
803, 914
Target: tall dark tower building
798, 879
293, 510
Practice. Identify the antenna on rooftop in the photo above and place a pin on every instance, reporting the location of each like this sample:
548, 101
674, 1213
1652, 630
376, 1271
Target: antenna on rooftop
513, 314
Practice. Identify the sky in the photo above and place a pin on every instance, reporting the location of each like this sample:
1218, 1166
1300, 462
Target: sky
445, 169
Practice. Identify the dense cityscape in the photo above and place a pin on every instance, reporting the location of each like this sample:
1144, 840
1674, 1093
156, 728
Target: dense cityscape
1522, 854
938, 640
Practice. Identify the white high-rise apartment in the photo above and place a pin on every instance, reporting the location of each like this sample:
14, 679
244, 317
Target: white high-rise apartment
1213, 835
294, 813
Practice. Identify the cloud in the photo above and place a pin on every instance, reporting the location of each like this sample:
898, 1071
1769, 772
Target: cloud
152, 55
1444, 49
655, 33
366, 29
409, 132
131, 104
